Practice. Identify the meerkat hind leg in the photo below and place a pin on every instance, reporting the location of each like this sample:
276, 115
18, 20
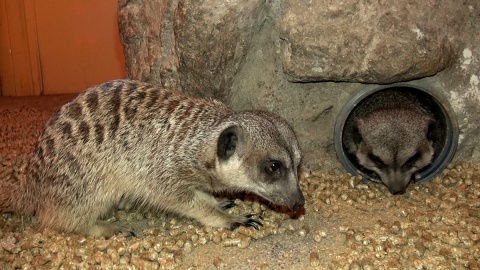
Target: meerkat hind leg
108, 230
87, 223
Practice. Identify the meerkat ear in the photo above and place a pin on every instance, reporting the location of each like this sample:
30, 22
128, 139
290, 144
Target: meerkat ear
228, 142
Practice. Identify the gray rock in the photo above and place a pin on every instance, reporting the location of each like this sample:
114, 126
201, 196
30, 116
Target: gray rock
212, 37
146, 32
369, 42
196, 46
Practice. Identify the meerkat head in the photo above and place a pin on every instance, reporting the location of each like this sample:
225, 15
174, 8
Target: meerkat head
395, 144
258, 152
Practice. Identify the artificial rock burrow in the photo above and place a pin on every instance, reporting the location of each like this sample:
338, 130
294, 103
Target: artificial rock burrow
305, 59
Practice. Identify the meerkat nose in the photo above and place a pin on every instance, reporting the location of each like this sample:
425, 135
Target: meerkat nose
398, 192
298, 203
297, 206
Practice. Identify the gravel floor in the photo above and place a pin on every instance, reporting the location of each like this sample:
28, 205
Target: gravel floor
345, 224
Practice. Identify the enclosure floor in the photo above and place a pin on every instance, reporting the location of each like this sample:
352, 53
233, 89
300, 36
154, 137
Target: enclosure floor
344, 225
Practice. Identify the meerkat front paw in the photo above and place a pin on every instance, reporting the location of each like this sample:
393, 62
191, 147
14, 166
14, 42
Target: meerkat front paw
248, 222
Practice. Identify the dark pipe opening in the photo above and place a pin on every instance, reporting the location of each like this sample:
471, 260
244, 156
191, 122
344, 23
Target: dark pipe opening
445, 142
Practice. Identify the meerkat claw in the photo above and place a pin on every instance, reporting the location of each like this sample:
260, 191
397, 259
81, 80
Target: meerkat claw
250, 222
253, 223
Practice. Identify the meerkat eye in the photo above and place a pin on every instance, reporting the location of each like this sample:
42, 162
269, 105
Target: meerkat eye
375, 159
410, 162
274, 167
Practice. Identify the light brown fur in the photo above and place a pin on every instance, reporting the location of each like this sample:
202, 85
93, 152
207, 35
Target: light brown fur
157, 146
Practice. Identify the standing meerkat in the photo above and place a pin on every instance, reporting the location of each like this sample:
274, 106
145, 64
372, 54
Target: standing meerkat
159, 147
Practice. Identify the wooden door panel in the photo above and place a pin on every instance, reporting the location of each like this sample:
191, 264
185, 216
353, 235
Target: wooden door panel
79, 44
19, 63
58, 46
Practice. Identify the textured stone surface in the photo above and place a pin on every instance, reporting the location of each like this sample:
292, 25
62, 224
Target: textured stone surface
267, 54
369, 41
200, 45
197, 46
146, 30
212, 37
461, 85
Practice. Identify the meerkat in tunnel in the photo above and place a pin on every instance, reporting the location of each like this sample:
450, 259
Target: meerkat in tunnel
393, 137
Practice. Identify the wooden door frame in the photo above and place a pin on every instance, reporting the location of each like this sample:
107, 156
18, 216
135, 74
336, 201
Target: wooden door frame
20, 69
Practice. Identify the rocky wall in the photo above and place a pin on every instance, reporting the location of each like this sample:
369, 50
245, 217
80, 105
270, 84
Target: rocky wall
305, 59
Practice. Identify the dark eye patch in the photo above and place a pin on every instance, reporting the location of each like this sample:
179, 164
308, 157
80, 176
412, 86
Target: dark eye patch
411, 161
375, 159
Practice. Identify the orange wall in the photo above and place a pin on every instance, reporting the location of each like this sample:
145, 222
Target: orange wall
58, 46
